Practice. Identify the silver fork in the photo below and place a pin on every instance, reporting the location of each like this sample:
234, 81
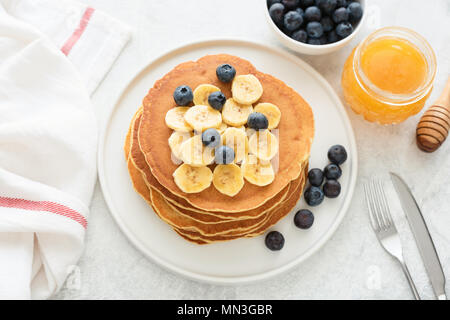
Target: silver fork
384, 226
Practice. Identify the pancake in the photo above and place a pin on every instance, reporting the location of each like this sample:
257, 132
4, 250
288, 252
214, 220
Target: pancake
181, 204
296, 131
191, 232
278, 214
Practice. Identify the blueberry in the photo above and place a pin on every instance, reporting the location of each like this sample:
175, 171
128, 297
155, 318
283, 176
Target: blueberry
211, 138
292, 20
300, 35
257, 121
313, 14
217, 99
225, 73
315, 177
332, 172
342, 3
304, 219
276, 12
183, 95
344, 29
355, 12
340, 15
314, 196
306, 3
224, 155
301, 12
274, 241
314, 41
290, 4
332, 37
332, 189
327, 24
314, 29
337, 154
271, 2
327, 6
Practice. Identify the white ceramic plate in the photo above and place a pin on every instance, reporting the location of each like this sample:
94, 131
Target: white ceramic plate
242, 260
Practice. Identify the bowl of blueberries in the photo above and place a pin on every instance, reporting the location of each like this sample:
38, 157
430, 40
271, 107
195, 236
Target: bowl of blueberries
315, 26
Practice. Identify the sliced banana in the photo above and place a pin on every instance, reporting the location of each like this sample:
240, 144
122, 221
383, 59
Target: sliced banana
175, 119
272, 113
264, 145
194, 153
202, 92
223, 126
246, 89
203, 117
237, 140
228, 179
175, 141
249, 132
235, 114
192, 179
257, 172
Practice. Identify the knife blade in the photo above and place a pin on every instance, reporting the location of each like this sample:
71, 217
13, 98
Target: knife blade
422, 236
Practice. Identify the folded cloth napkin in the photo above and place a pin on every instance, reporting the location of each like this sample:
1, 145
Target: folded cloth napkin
48, 137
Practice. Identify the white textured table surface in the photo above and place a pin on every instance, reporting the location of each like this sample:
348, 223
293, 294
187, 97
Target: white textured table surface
352, 265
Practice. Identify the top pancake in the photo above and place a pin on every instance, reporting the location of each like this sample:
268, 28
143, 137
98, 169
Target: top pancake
296, 131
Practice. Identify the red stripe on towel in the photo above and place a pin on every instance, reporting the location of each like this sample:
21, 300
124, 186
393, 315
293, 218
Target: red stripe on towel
76, 35
46, 206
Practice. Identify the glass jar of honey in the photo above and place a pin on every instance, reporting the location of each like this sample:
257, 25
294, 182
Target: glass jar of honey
389, 76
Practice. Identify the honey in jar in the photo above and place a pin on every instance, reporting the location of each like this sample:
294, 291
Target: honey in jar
388, 77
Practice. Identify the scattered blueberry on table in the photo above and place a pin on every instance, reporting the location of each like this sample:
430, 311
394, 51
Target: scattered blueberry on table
315, 177
316, 22
304, 219
274, 241
332, 171
332, 188
314, 196
318, 190
337, 154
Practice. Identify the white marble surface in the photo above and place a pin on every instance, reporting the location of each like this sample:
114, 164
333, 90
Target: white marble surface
352, 265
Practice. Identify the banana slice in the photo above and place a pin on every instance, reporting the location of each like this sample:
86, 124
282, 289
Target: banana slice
223, 126
235, 114
175, 119
264, 145
202, 92
228, 179
203, 117
175, 141
237, 140
192, 179
195, 154
246, 89
249, 132
272, 113
257, 172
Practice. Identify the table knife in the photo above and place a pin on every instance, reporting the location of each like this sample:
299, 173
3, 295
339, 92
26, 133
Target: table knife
422, 236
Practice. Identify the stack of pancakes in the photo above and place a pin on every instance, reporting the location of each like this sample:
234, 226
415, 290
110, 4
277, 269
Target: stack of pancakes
210, 216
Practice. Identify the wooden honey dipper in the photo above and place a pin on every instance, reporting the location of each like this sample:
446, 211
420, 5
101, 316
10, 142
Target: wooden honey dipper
433, 127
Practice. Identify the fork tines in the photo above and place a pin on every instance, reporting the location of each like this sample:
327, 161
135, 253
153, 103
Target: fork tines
377, 204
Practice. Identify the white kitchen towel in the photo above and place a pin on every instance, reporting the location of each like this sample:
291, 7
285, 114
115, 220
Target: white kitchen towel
48, 141
91, 39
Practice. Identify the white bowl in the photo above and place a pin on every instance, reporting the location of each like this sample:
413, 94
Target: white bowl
311, 49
